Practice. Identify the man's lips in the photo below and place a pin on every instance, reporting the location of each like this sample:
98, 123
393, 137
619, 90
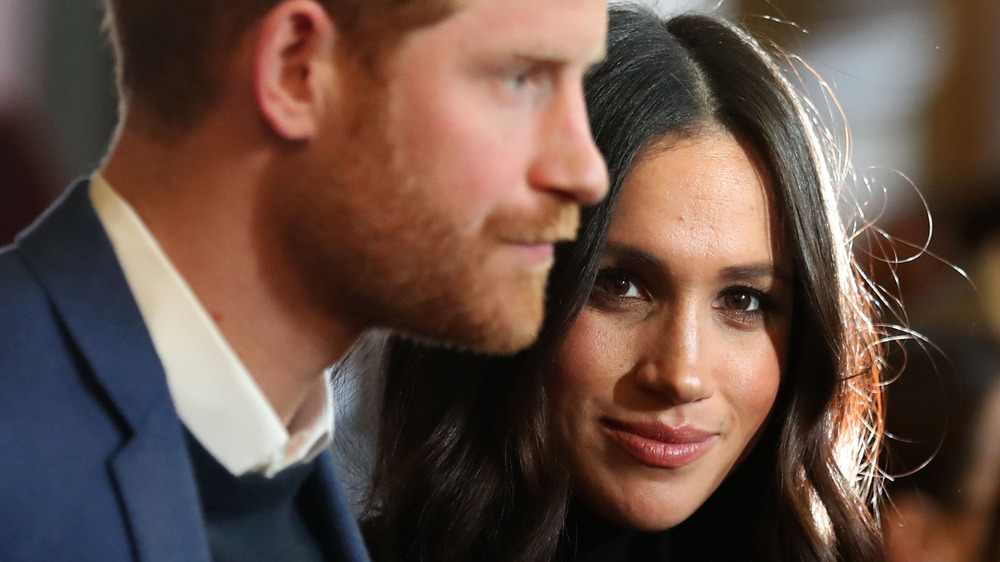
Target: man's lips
541, 253
660, 445
538, 245
536, 250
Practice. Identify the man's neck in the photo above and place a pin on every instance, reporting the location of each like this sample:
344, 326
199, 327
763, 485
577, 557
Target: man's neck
201, 199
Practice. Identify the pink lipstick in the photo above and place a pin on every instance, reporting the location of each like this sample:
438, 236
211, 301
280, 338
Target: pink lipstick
658, 445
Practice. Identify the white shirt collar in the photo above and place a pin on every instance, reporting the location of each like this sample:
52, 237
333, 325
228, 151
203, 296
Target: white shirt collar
214, 394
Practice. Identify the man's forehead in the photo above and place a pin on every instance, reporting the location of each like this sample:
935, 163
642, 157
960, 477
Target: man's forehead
547, 29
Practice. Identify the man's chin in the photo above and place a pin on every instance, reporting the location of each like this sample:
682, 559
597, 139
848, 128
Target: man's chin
506, 332
509, 341
512, 326
498, 340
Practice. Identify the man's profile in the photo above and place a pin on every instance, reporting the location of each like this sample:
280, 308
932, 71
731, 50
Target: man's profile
286, 174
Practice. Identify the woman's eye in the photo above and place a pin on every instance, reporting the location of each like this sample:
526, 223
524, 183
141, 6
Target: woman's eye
743, 301
744, 306
616, 284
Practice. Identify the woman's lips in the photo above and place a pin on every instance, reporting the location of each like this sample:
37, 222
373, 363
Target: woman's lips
659, 445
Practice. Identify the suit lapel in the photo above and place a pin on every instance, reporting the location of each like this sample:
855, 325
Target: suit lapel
73, 259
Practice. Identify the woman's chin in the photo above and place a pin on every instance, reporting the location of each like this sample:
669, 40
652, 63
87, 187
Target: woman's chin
649, 515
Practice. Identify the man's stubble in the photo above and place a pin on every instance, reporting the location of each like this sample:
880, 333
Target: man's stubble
376, 246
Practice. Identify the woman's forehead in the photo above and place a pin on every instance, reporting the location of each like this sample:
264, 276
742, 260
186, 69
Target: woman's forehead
706, 194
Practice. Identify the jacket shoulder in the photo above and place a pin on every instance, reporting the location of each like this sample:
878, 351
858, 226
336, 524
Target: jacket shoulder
25, 311
56, 428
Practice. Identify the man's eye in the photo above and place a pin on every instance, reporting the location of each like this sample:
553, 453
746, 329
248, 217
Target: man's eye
518, 80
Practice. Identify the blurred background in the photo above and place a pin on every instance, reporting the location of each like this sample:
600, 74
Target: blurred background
918, 81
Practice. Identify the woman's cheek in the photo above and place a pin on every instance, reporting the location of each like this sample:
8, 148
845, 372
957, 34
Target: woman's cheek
581, 389
592, 353
752, 387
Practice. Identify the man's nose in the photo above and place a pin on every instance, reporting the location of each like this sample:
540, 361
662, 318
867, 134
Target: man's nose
568, 161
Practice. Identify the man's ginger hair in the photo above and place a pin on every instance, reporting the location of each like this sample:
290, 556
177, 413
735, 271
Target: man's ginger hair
169, 53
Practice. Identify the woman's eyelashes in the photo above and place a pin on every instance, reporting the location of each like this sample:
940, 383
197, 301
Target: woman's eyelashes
745, 306
617, 288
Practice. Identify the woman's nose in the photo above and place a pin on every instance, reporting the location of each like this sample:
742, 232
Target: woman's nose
674, 362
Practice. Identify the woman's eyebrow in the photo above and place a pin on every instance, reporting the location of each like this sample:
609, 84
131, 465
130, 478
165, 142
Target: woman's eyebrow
755, 271
733, 273
632, 254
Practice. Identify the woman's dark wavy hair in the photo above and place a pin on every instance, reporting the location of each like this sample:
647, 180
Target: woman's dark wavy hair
464, 468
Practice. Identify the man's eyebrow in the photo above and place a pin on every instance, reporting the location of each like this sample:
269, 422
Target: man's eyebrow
554, 55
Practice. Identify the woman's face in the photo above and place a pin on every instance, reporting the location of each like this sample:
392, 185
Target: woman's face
672, 367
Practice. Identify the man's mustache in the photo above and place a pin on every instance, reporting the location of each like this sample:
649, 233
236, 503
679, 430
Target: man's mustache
557, 222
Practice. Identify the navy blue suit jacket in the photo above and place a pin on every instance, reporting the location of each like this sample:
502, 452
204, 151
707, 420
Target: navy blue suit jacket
93, 459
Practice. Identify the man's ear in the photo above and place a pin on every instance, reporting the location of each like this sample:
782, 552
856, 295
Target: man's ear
293, 69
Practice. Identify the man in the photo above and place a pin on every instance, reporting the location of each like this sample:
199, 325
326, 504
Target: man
286, 175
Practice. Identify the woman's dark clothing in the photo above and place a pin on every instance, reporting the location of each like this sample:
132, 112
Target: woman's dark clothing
590, 538
727, 528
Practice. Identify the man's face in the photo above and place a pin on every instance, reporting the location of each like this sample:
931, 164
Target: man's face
431, 205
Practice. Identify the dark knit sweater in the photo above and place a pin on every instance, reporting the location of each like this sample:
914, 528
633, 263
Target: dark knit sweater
251, 517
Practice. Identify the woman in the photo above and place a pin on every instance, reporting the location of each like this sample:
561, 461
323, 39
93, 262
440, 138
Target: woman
706, 385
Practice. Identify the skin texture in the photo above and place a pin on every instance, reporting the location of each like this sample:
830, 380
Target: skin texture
469, 161
686, 327
325, 194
